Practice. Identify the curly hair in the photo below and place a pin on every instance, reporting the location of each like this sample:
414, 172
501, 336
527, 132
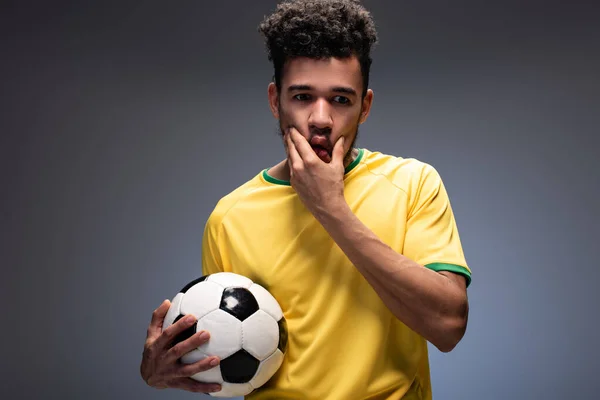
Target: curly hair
319, 29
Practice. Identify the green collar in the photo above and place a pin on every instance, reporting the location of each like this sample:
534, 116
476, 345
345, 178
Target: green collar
349, 168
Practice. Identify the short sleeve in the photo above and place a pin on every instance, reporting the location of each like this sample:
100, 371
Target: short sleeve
432, 236
212, 261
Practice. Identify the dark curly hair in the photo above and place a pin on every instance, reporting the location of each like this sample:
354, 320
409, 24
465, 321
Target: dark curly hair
319, 29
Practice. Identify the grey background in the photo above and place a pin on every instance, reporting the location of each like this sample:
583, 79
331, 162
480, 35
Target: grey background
123, 123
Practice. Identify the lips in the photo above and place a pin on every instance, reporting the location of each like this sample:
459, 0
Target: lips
320, 142
321, 147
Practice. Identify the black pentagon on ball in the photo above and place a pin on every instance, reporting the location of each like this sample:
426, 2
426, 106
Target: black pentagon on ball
283, 335
183, 335
192, 283
239, 302
240, 367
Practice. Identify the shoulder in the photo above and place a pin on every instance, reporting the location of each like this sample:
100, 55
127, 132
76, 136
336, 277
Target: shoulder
231, 199
408, 174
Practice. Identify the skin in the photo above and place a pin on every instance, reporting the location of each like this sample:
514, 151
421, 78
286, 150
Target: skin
323, 98
330, 103
160, 367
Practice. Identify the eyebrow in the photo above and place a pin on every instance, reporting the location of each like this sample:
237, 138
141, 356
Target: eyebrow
336, 89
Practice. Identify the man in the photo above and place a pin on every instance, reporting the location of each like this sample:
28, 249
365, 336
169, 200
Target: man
360, 248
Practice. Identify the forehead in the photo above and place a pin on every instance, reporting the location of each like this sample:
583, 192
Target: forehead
323, 74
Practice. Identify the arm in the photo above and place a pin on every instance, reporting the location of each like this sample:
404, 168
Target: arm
432, 304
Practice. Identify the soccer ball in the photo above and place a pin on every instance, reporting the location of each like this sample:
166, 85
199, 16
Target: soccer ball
247, 331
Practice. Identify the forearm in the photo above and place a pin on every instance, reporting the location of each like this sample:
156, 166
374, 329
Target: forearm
426, 301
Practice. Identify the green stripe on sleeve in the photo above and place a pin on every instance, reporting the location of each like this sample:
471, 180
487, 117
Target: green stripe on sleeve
437, 267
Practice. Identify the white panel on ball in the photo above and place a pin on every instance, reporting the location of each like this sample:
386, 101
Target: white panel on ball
267, 369
193, 356
260, 335
201, 299
173, 311
225, 333
228, 279
213, 375
233, 390
266, 301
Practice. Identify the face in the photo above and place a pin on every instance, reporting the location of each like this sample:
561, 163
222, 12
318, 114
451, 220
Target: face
322, 100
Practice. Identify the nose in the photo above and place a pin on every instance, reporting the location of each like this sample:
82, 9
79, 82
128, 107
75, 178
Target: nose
320, 116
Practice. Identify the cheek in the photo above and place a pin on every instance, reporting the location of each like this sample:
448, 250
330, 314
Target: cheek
350, 125
293, 117
286, 113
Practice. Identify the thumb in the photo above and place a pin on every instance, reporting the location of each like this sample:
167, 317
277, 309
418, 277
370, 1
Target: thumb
338, 151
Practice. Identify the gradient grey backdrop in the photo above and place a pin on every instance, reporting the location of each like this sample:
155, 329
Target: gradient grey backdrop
123, 123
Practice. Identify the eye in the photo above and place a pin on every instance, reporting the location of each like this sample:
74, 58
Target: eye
341, 100
302, 97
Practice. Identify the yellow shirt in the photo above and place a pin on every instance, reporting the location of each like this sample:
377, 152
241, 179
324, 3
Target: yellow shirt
343, 342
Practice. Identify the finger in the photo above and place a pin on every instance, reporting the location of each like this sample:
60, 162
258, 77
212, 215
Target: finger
295, 160
200, 366
158, 317
302, 146
184, 347
286, 144
194, 386
172, 331
338, 151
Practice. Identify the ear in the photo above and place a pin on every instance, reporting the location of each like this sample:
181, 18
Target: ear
366, 106
273, 99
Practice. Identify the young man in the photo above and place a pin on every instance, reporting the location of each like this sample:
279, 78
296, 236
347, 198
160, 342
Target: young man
360, 248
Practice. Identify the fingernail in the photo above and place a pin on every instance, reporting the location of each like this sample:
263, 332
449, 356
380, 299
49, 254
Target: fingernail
190, 319
204, 335
215, 388
214, 362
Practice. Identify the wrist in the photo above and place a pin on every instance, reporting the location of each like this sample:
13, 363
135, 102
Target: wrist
333, 211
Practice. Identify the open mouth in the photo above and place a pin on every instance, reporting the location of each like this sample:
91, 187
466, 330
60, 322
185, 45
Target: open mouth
322, 152
321, 146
